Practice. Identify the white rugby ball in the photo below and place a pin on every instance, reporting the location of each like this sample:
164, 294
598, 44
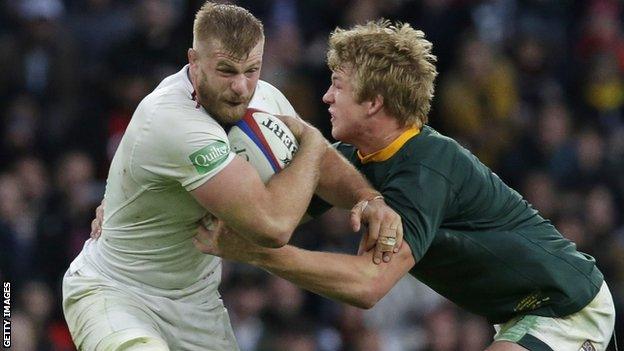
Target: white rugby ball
264, 141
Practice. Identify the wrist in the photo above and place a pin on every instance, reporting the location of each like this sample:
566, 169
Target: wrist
363, 203
368, 194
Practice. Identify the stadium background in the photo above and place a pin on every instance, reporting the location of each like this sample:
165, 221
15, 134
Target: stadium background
534, 87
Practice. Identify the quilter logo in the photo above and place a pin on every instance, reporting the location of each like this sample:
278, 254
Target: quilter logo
6, 315
209, 157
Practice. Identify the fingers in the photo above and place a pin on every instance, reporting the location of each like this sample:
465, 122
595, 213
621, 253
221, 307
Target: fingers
386, 256
362, 245
295, 124
373, 233
385, 229
387, 242
95, 229
399, 237
96, 224
378, 254
204, 241
202, 246
372, 238
99, 213
356, 215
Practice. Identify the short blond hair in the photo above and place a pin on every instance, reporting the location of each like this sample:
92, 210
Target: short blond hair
234, 27
393, 61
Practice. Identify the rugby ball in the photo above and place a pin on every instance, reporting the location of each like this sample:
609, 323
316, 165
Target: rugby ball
264, 141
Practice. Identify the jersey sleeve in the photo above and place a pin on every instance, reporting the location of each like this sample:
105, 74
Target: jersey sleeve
190, 150
420, 196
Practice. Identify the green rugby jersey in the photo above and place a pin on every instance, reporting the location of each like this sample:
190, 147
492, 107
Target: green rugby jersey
475, 240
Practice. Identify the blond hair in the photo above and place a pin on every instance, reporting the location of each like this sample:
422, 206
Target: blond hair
393, 61
233, 26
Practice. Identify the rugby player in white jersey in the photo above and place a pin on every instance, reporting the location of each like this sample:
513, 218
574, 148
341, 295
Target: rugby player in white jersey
143, 285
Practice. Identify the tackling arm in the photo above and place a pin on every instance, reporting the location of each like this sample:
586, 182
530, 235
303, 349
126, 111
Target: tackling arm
355, 280
340, 183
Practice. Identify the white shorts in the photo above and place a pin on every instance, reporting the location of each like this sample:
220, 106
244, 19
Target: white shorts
589, 329
103, 315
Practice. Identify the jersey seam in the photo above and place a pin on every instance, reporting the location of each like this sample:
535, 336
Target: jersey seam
148, 124
520, 273
142, 187
203, 178
557, 257
446, 179
497, 257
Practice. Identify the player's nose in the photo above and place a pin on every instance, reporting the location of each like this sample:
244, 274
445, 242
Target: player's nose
328, 97
240, 85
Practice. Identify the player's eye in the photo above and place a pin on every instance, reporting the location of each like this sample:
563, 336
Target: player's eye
226, 71
251, 71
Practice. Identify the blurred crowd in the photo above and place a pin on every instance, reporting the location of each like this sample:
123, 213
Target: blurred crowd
535, 88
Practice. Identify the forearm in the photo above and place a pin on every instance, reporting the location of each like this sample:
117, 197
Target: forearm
347, 278
340, 183
340, 277
293, 187
355, 280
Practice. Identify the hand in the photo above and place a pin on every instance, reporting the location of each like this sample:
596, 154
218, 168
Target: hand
383, 222
301, 129
219, 240
96, 223
296, 125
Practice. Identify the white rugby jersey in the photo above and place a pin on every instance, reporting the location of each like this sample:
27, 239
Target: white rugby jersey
169, 148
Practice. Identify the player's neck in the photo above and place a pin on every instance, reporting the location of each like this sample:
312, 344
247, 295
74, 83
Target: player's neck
381, 133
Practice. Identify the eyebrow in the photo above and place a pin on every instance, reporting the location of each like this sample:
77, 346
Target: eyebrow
225, 63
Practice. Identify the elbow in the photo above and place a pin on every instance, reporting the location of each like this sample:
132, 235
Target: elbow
368, 297
273, 236
365, 304
270, 242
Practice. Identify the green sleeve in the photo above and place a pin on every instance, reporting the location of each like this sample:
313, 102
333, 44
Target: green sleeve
421, 196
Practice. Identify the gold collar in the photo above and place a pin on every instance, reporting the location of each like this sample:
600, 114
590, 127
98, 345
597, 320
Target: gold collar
390, 150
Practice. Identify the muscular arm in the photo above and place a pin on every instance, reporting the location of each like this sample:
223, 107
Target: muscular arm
340, 183
355, 280
266, 214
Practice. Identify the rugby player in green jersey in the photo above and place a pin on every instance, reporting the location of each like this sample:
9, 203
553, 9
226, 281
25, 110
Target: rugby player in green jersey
468, 235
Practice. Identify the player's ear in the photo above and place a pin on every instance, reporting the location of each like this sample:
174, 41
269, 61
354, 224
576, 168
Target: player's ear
375, 104
192, 56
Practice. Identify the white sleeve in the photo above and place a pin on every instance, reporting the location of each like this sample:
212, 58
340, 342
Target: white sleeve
190, 148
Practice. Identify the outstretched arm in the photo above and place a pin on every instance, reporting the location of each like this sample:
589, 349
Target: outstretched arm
348, 278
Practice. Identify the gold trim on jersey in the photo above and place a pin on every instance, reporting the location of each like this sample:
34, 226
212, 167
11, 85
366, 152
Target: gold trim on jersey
390, 150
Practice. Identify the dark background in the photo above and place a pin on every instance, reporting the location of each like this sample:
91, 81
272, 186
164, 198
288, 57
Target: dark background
533, 87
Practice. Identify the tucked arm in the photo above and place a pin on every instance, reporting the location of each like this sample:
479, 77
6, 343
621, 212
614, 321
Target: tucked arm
266, 214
